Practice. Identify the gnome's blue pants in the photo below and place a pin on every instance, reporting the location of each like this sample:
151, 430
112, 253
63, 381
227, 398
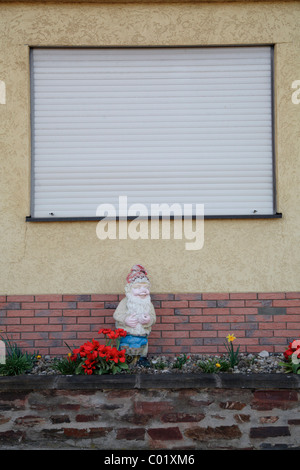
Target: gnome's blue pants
132, 341
135, 345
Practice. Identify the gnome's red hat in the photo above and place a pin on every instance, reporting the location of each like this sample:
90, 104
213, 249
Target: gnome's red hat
137, 272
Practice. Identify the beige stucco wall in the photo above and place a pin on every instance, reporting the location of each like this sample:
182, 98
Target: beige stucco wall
64, 257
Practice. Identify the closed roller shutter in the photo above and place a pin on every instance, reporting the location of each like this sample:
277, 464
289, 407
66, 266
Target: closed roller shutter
158, 125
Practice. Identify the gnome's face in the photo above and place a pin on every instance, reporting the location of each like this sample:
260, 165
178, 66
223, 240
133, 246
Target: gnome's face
140, 289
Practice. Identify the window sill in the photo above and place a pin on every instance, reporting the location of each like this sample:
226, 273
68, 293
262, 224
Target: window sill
206, 217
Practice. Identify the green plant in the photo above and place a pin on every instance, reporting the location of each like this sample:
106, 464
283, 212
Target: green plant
180, 361
65, 366
214, 365
233, 355
16, 362
159, 364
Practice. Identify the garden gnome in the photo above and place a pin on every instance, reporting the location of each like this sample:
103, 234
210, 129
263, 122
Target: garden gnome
135, 314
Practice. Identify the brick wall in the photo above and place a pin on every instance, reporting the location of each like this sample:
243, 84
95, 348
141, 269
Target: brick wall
186, 323
180, 412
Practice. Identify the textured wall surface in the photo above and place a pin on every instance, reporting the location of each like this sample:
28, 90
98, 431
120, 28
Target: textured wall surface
61, 257
185, 323
180, 412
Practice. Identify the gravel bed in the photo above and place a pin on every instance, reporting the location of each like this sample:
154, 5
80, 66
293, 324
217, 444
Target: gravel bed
261, 363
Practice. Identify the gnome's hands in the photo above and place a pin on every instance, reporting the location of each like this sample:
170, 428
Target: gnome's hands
131, 321
145, 319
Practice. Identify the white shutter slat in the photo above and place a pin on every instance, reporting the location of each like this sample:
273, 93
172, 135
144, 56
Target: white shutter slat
160, 125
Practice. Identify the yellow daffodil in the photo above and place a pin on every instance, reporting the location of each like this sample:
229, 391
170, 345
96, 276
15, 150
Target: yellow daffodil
230, 338
218, 365
39, 357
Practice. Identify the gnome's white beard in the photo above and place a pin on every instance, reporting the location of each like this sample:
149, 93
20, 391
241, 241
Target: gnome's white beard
138, 307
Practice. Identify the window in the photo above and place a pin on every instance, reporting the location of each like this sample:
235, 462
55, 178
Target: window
159, 125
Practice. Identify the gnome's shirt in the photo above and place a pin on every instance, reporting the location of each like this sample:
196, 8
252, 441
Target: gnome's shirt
121, 313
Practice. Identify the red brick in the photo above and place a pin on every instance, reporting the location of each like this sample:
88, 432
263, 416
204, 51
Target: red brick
86, 320
34, 335
34, 305
258, 303
260, 318
247, 295
232, 318
74, 327
174, 334
175, 304
215, 296
48, 313
261, 333
189, 341
20, 298
286, 303
100, 312
11, 321
188, 296
75, 298
164, 312
293, 310
48, 328
62, 305
244, 311
203, 303
165, 434
188, 311
187, 326
231, 303
216, 311
90, 305
244, 326
203, 349
162, 327
162, 297
264, 432
216, 326
162, 341
48, 298
76, 313
10, 305
216, 432
269, 399
34, 321
2, 298
292, 295
203, 318
137, 434
203, 334
16, 328
271, 295
175, 319
63, 320
20, 313
272, 326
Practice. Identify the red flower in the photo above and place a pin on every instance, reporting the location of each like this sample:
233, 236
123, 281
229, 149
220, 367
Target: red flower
113, 335
122, 333
294, 346
105, 331
122, 357
113, 355
103, 351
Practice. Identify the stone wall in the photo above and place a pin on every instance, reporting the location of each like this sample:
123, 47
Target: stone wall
150, 412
